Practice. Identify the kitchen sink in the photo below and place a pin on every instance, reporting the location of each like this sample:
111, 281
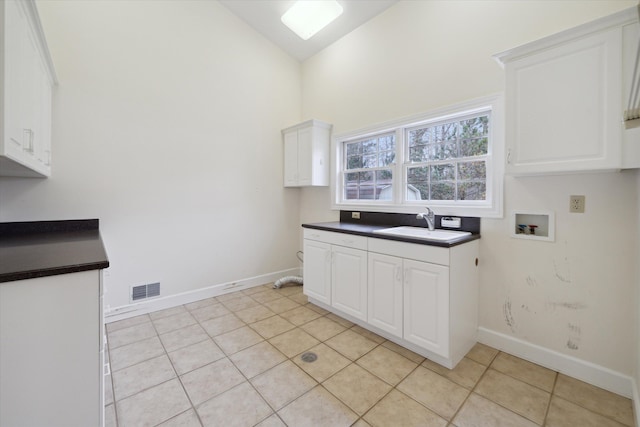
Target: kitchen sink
425, 234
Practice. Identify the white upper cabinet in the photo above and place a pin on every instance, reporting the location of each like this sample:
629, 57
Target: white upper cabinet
306, 154
631, 131
28, 78
564, 102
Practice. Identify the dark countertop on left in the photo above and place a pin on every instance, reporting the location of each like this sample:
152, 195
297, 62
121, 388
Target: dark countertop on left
46, 248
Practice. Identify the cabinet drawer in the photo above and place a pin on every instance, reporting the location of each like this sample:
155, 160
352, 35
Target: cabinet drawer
425, 253
341, 239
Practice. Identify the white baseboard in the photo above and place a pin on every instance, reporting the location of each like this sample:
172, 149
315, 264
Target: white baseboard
577, 368
144, 307
636, 401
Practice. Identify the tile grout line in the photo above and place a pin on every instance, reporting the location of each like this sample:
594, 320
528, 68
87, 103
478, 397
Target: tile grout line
553, 392
166, 353
486, 369
393, 387
248, 380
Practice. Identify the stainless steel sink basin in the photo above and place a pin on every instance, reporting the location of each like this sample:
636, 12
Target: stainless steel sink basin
424, 233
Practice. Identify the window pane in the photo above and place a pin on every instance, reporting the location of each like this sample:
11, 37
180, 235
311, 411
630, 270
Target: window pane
420, 136
474, 147
370, 146
351, 178
354, 148
384, 176
366, 178
367, 192
387, 142
419, 153
472, 191
416, 192
478, 126
446, 150
354, 162
386, 158
446, 172
472, 171
369, 161
443, 191
446, 132
418, 183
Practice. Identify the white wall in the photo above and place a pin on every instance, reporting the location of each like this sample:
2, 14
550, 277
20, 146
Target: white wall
167, 128
574, 296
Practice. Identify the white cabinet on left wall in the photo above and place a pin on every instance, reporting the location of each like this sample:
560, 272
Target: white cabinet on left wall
306, 154
27, 80
51, 357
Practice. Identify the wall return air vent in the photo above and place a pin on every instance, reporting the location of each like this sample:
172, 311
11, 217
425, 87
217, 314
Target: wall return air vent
145, 291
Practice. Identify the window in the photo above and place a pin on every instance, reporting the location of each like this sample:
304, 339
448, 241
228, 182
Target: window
443, 159
368, 169
447, 161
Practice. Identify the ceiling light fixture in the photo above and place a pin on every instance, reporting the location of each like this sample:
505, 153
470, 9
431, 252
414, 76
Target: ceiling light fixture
307, 17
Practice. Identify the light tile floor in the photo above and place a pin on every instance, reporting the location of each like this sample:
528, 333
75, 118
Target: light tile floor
234, 360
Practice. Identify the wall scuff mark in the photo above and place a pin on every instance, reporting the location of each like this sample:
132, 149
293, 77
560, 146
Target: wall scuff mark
575, 332
508, 315
563, 276
531, 281
552, 305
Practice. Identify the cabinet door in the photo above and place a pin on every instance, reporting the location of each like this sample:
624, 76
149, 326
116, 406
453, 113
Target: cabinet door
305, 156
27, 96
43, 138
291, 159
563, 107
317, 270
15, 59
426, 306
50, 356
349, 281
385, 293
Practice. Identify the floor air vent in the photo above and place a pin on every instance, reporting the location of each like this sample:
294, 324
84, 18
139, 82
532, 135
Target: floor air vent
145, 291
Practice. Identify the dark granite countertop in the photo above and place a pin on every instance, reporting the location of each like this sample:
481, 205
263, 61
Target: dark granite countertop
46, 248
367, 230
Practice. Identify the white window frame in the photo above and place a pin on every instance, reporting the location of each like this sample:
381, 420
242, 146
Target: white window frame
492, 207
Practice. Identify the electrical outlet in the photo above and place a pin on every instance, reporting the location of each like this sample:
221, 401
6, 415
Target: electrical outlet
576, 204
355, 215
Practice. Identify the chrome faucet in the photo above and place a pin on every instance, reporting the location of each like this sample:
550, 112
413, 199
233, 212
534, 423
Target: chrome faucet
430, 217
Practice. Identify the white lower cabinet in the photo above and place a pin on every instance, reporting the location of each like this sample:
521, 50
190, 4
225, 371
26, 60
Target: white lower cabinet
419, 296
426, 305
349, 281
385, 293
335, 271
317, 270
410, 299
51, 352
